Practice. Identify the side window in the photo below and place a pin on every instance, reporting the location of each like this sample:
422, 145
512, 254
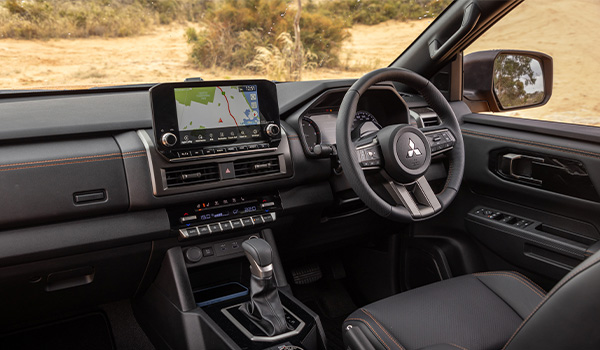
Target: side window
567, 30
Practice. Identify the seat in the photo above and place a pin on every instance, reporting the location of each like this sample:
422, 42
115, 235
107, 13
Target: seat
490, 310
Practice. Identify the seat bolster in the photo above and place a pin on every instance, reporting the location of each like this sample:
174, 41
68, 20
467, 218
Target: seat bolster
516, 290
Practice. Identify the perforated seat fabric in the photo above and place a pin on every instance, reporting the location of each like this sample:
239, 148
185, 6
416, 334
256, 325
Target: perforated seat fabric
474, 312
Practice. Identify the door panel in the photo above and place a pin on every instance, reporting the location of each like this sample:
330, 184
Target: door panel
546, 225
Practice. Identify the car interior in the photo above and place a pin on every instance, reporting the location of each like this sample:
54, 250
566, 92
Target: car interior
390, 212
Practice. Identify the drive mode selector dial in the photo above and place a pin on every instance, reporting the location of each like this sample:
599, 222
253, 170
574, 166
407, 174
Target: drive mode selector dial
169, 139
272, 130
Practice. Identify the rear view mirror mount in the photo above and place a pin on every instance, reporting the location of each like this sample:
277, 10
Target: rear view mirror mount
506, 80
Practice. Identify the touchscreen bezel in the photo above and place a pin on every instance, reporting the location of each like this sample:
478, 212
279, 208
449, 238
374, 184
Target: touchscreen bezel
164, 113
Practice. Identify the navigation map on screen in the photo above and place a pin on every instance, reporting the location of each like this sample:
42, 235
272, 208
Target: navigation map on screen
217, 107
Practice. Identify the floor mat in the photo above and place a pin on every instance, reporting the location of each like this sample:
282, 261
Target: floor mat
90, 332
331, 301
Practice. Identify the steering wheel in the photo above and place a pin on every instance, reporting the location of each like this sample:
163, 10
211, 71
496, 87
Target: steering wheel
399, 155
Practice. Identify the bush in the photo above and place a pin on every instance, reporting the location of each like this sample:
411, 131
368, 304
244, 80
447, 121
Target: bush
235, 28
376, 11
42, 19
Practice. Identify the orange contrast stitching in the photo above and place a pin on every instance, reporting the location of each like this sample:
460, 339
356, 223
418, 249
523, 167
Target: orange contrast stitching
383, 329
513, 276
533, 143
73, 158
68, 163
457, 346
372, 330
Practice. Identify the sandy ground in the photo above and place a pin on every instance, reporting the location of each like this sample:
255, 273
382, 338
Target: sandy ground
163, 56
565, 29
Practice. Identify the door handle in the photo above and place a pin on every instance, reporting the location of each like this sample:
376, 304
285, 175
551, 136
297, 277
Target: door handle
520, 167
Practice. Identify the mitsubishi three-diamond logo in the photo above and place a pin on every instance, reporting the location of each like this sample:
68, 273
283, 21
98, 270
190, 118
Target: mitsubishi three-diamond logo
413, 151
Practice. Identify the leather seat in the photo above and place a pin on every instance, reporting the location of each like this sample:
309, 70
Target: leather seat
491, 310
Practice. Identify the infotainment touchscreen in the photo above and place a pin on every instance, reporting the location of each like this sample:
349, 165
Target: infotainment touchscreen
215, 118
217, 113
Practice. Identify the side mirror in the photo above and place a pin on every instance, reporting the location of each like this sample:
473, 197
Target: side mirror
502, 80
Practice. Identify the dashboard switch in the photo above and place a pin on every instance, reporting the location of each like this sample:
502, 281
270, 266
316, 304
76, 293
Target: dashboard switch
247, 221
215, 228
187, 218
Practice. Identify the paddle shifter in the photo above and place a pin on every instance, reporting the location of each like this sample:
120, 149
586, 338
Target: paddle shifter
264, 307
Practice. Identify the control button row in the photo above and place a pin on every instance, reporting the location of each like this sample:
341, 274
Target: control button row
225, 226
441, 140
220, 150
504, 218
369, 156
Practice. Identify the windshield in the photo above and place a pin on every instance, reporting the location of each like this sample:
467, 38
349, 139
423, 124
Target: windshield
78, 44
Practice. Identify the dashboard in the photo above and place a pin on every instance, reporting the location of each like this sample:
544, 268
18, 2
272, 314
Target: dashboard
92, 181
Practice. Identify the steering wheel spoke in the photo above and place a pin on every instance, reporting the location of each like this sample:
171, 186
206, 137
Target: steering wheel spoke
418, 197
440, 140
369, 155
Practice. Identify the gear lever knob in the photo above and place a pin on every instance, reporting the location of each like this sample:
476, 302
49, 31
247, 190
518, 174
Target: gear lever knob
260, 255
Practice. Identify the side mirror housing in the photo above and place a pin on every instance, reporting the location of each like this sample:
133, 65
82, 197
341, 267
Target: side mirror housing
506, 80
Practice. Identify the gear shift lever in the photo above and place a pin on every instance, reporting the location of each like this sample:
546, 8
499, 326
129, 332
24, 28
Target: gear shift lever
264, 307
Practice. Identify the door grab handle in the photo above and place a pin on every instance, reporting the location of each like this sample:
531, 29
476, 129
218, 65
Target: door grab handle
519, 166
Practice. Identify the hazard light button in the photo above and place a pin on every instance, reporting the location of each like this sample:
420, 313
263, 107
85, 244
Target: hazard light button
227, 171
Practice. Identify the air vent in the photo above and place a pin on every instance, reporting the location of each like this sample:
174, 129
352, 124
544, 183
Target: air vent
192, 175
256, 166
428, 117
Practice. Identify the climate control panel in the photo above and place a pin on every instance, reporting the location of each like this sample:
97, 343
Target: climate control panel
224, 215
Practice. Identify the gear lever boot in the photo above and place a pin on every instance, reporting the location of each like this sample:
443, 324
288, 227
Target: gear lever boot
264, 307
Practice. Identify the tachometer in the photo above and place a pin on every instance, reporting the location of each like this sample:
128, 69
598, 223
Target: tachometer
364, 122
311, 133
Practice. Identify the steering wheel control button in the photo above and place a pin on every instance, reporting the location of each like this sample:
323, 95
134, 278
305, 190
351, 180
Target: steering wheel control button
440, 141
193, 255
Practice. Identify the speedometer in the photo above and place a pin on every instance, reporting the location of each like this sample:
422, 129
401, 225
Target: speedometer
312, 135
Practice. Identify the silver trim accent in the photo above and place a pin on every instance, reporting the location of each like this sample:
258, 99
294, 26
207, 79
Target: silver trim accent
164, 141
253, 337
141, 134
258, 271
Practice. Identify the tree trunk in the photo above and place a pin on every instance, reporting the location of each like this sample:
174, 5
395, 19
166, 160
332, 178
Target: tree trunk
298, 51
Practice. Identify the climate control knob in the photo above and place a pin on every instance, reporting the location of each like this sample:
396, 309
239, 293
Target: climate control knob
272, 130
169, 139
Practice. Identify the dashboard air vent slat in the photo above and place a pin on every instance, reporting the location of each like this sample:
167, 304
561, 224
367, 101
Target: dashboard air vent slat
256, 166
192, 175
428, 116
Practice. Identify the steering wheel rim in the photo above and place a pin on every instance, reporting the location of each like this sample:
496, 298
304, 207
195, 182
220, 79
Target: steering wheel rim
425, 204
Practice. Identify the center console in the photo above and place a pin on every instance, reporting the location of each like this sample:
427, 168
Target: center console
220, 284
206, 304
